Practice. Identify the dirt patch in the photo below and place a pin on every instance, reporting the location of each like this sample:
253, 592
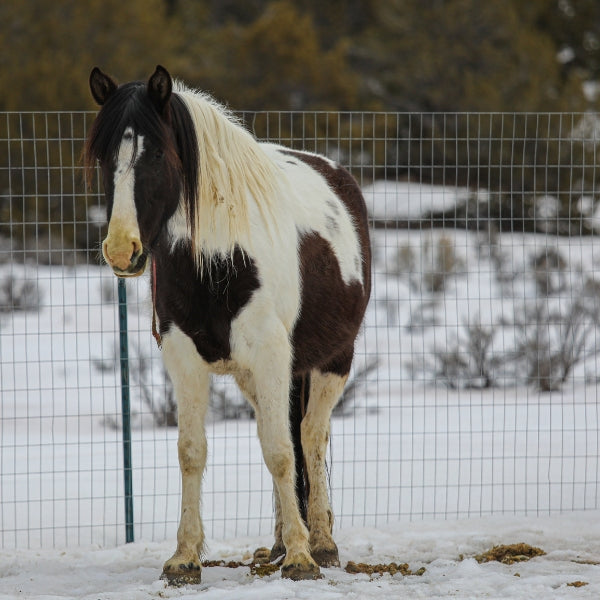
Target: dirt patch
577, 583
260, 570
232, 564
510, 554
264, 570
391, 568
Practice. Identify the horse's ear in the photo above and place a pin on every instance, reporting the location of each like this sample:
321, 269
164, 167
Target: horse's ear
102, 86
160, 86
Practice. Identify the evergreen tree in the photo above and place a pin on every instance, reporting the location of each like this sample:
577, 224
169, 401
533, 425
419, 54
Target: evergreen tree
462, 55
574, 27
50, 46
274, 62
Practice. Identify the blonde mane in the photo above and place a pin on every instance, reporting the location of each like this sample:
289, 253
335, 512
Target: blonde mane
233, 169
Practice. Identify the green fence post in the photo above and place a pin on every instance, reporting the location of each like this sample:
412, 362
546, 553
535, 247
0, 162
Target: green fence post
126, 412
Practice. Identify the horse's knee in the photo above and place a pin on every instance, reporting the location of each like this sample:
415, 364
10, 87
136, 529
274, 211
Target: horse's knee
279, 461
192, 454
275, 441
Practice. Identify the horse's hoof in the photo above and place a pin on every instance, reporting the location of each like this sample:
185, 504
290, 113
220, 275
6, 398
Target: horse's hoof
326, 557
180, 574
277, 551
298, 570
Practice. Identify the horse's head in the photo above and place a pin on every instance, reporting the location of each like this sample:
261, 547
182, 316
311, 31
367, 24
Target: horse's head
135, 141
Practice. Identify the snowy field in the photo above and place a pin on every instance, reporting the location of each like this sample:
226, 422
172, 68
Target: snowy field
446, 549
412, 456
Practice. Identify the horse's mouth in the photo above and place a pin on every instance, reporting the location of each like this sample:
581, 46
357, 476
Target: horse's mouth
135, 269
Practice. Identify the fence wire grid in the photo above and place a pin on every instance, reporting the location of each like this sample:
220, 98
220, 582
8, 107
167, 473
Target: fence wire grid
474, 385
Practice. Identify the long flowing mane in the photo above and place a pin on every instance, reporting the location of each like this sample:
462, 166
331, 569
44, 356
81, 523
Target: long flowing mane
232, 170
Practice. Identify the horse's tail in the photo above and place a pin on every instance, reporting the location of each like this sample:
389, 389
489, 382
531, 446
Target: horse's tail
299, 396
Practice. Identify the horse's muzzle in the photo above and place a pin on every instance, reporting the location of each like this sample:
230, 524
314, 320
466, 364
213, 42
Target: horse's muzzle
124, 252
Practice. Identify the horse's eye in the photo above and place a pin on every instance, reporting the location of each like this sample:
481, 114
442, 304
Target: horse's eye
158, 154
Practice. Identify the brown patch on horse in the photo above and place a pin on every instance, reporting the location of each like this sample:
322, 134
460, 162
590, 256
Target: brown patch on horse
346, 188
331, 311
203, 303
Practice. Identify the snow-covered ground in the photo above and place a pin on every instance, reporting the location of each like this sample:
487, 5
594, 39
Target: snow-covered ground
388, 199
410, 458
446, 549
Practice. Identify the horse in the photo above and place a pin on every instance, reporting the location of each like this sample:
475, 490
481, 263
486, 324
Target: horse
260, 269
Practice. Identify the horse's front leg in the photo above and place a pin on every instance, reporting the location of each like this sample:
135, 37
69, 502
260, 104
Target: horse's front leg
190, 377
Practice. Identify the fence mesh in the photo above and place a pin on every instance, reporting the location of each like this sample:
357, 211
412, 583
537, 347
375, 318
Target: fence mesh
474, 385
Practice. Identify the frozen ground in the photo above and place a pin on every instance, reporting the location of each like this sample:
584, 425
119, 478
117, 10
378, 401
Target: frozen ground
445, 548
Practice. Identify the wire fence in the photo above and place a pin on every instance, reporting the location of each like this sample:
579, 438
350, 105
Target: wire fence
474, 389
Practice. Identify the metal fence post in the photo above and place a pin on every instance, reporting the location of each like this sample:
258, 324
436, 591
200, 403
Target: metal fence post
126, 412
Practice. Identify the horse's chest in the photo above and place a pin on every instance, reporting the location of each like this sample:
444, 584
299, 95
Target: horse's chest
203, 304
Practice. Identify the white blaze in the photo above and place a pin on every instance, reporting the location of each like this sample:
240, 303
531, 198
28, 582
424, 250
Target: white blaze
124, 180
123, 237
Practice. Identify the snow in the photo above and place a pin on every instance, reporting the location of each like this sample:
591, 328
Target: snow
408, 200
420, 473
445, 548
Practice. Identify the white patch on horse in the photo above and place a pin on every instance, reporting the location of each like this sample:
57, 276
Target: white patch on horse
178, 227
316, 208
124, 179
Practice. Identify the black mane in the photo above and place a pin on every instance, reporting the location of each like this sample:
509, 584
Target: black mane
131, 106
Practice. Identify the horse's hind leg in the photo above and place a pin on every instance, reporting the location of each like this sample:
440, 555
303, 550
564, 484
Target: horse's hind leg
325, 391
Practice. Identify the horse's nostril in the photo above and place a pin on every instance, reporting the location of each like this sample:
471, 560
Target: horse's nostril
137, 249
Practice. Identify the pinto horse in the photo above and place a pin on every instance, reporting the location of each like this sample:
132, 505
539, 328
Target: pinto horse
261, 270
